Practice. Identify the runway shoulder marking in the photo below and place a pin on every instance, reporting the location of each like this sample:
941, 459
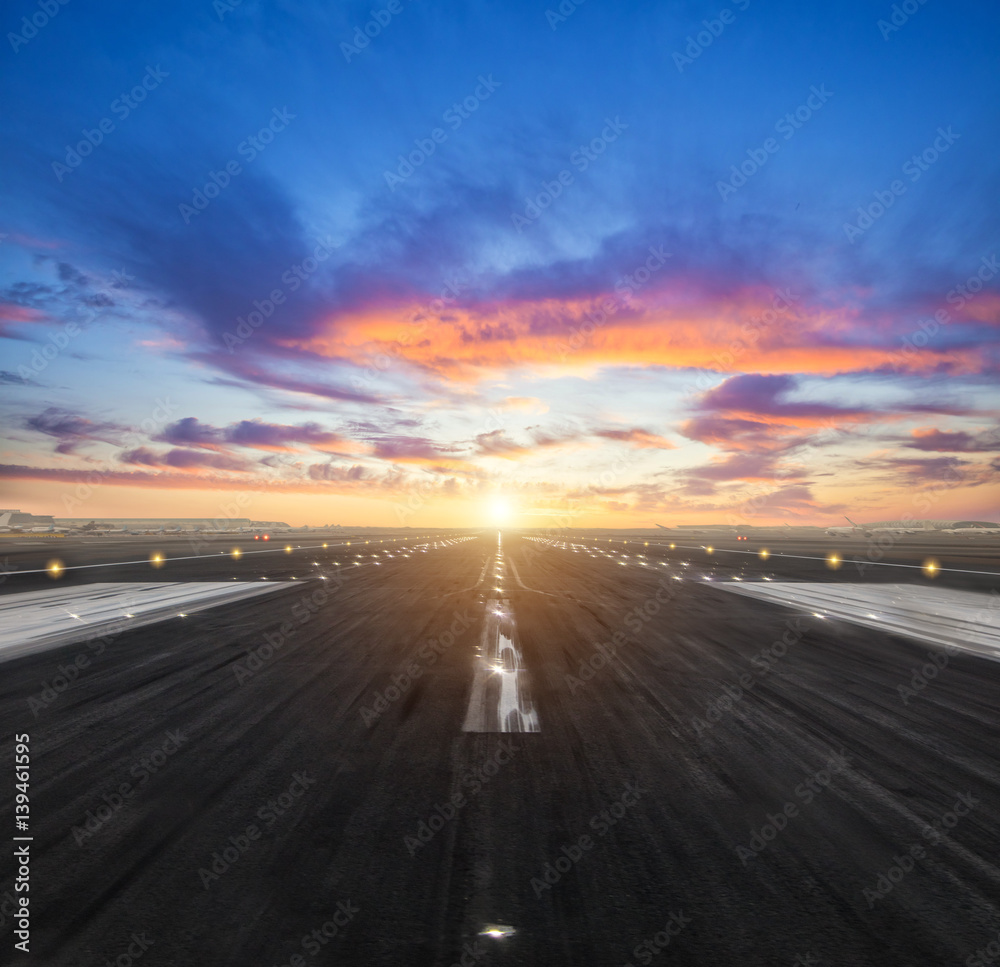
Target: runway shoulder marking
33, 621
966, 620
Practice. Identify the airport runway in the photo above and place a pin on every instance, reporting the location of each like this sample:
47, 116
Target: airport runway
502, 753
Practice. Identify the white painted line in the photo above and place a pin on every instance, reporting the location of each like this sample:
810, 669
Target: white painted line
33, 621
968, 620
500, 700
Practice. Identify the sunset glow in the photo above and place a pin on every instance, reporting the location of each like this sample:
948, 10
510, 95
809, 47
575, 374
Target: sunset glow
621, 316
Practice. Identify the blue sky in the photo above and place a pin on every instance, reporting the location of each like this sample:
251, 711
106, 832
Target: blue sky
367, 388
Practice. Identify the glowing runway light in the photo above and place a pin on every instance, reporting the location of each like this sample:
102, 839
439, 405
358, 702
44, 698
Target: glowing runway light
55, 568
237, 553
710, 549
497, 930
931, 568
288, 548
763, 553
156, 559
833, 561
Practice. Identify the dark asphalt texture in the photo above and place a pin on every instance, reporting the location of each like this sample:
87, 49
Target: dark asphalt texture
626, 831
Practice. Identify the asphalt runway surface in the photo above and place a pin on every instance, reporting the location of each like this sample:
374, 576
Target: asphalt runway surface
297, 778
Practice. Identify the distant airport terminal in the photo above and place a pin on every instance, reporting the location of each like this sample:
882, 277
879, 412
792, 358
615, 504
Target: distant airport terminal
961, 528
15, 521
18, 522
928, 528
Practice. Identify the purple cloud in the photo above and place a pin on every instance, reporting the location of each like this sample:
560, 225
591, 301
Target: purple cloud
72, 430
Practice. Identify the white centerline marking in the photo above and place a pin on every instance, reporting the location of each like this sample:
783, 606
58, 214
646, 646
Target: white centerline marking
500, 700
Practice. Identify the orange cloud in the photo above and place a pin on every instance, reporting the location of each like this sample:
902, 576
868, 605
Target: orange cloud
467, 344
637, 437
